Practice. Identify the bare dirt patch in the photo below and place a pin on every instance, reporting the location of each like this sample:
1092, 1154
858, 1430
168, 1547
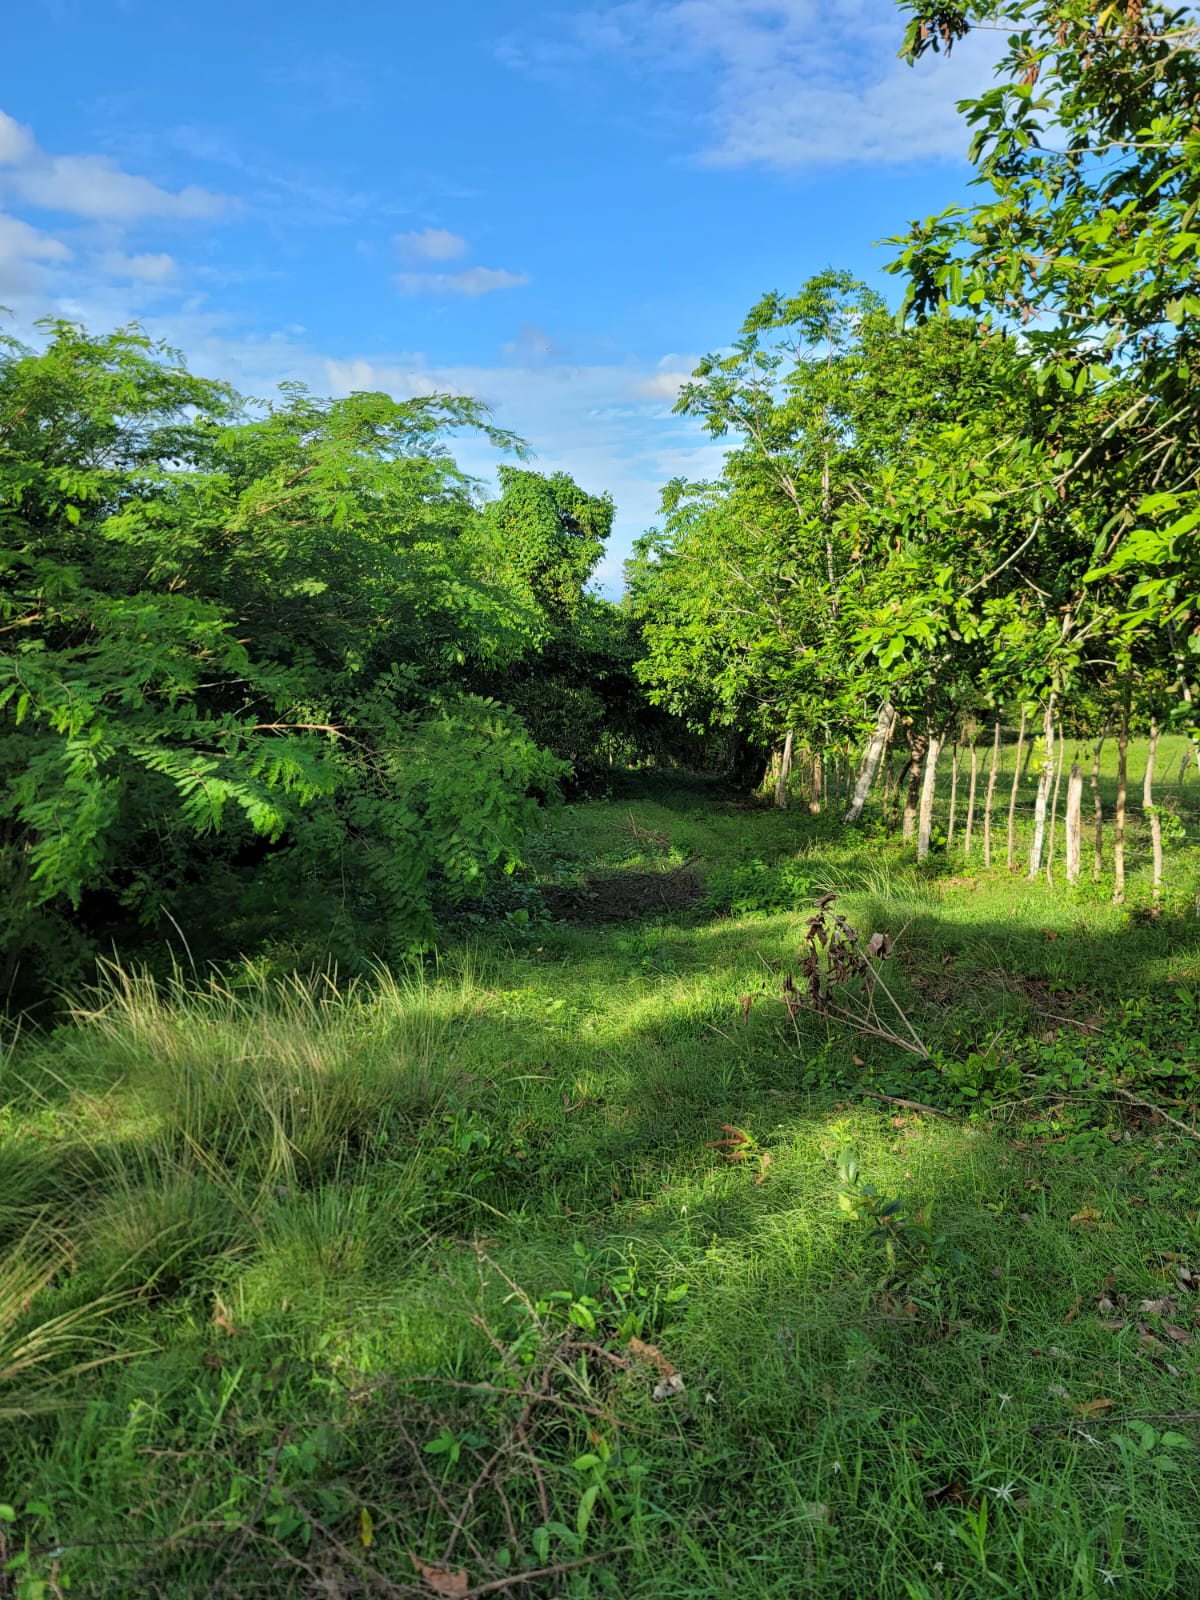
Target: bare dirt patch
626, 895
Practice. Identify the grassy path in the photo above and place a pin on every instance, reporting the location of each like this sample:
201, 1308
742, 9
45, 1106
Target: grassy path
383, 1278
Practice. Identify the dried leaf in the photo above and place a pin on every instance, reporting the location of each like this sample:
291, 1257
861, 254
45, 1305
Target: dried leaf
745, 1001
641, 1351
1092, 1408
1088, 1217
1157, 1308
668, 1388
1073, 1312
764, 1161
222, 1320
1180, 1335
442, 1580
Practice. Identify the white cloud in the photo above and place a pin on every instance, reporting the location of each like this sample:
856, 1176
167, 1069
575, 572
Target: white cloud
665, 383
789, 84
430, 244
94, 187
16, 141
24, 252
145, 268
472, 281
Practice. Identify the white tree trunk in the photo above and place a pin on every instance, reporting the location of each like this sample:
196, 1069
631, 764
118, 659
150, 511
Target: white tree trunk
814, 794
971, 801
1054, 808
1098, 811
912, 785
953, 798
870, 762
785, 772
928, 785
1012, 799
1122, 788
1045, 779
1150, 810
993, 774
1074, 822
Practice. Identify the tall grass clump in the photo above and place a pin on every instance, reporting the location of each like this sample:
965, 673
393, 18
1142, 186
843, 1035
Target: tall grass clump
279, 1081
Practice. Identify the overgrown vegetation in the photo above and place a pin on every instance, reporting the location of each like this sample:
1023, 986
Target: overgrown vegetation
445, 1189
385, 1275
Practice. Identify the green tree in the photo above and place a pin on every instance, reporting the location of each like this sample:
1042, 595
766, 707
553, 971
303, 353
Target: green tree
232, 658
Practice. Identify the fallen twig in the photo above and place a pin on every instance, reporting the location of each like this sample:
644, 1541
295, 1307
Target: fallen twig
1149, 1105
544, 1572
909, 1105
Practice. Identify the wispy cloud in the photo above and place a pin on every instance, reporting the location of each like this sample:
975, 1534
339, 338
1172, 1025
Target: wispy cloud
93, 187
329, 83
788, 84
471, 281
25, 251
430, 244
672, 373
148, 267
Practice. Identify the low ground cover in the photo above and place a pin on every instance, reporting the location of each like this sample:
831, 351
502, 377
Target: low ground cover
321, 1288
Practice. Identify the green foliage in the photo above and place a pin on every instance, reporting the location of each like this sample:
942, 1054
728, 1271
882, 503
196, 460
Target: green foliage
354, 1233
250, 630
1083, 235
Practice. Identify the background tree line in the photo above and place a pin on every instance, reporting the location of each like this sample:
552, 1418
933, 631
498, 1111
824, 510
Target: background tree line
981, 513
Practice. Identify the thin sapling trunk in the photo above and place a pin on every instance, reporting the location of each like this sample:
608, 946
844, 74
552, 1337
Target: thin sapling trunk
917, 746
1054, 809
1122, 788
1150, 810
785, 772
933, 749
953, 798
1045, 779
1074, 822
993, 774
870, 762
1012, 799
971, 799
1098, 811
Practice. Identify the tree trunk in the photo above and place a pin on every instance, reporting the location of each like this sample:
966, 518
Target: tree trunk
971, 800
1150, 810
1054, 808
953, 799
917, 746
1098, 811
933, 750
1074, 821
814, 794
889, 779
993, 774
869, 768
1045, 779
1122, 786
785, 772
1012, 799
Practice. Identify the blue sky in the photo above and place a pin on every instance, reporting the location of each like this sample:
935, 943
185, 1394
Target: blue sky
554, 209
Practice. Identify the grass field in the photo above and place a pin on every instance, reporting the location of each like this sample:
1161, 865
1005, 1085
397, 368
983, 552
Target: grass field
342, 1290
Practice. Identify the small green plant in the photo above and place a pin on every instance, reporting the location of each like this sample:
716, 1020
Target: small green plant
1144, 1445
